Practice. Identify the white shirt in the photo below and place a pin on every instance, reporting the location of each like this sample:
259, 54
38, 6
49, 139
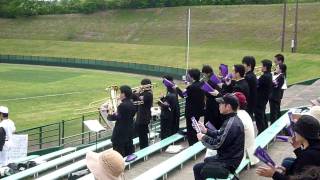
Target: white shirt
249, 136
9, 127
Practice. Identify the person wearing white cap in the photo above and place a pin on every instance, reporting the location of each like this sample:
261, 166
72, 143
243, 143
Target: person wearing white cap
9, 128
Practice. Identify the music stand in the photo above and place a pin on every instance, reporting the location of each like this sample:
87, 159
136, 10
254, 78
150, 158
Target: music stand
94, 126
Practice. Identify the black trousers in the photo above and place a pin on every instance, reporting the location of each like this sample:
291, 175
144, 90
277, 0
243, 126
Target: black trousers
124, 149
142, 131
191, 133
260, 115
274, 110
166, 128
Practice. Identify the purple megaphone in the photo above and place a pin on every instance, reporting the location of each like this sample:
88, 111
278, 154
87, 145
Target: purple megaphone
168, 83
207, 88
264, 156
283, 138
223, 69
215, 79
228, 77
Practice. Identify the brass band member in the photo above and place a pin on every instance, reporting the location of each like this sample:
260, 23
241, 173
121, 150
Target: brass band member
249, 64
170, 111
277, 92
211, 113
144, 112
263, 94
122, 134
194, 102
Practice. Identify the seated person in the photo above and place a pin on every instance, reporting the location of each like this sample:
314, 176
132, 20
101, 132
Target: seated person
107, 165
307, 149
228, 141
249, 135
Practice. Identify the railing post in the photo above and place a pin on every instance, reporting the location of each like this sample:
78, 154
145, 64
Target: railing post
59, 140
40, 137
82, 125
62, 133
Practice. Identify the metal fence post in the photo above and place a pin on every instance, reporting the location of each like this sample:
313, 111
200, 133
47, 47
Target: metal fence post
59, 140
62, 133
40, 137
82, 125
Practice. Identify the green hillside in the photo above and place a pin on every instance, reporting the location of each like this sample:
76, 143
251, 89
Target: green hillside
157, 36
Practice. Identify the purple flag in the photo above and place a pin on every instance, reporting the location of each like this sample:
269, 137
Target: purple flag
207, 88
215, 79
290, 127
283, 138
168, 83
224, 70
195, 125
131, 157
263, 156
228, 77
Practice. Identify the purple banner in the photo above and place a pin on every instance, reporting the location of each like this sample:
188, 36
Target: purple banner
215, 79
168, 83
207, 88
264, 156
224, 70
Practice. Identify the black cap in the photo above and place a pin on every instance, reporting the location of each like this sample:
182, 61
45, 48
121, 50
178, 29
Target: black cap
229, 99
308, 127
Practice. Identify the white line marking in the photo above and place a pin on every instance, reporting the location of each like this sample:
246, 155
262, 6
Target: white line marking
35, 97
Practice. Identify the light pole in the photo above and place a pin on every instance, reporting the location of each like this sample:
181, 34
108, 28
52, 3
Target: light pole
283, 24
295, 38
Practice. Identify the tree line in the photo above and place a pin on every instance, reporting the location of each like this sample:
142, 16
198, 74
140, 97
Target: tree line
18, 8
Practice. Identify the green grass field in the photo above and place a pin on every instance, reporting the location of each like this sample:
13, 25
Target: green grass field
39, 95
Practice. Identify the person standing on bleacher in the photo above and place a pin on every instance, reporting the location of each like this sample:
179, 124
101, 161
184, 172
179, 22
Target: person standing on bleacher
10, 128
144, 112
122, 133
228, 141
194, 102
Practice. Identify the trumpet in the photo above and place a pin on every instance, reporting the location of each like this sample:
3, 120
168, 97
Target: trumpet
142, 88
259, 72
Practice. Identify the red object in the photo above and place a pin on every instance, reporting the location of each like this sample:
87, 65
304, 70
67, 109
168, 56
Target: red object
241, 98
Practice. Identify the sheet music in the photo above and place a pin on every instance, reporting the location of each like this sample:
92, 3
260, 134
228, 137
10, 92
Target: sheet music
94, 125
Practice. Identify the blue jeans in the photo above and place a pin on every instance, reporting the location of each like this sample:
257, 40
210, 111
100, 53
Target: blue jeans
288, 162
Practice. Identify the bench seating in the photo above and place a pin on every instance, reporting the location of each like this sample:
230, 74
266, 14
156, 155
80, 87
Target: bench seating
166, 166
25, 159
142, 154
56, 162
55, 154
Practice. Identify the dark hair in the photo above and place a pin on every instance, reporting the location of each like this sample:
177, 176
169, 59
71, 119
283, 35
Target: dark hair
145, 81
5, 115
308, 173
207, 69
267, 63
126, 90
194, 74
239, 68
279, 57
249, 61
283, 68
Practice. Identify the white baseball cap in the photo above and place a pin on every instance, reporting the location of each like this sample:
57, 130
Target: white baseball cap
4, 110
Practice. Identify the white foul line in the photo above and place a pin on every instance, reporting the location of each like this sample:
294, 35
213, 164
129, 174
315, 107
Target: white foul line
34, 97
